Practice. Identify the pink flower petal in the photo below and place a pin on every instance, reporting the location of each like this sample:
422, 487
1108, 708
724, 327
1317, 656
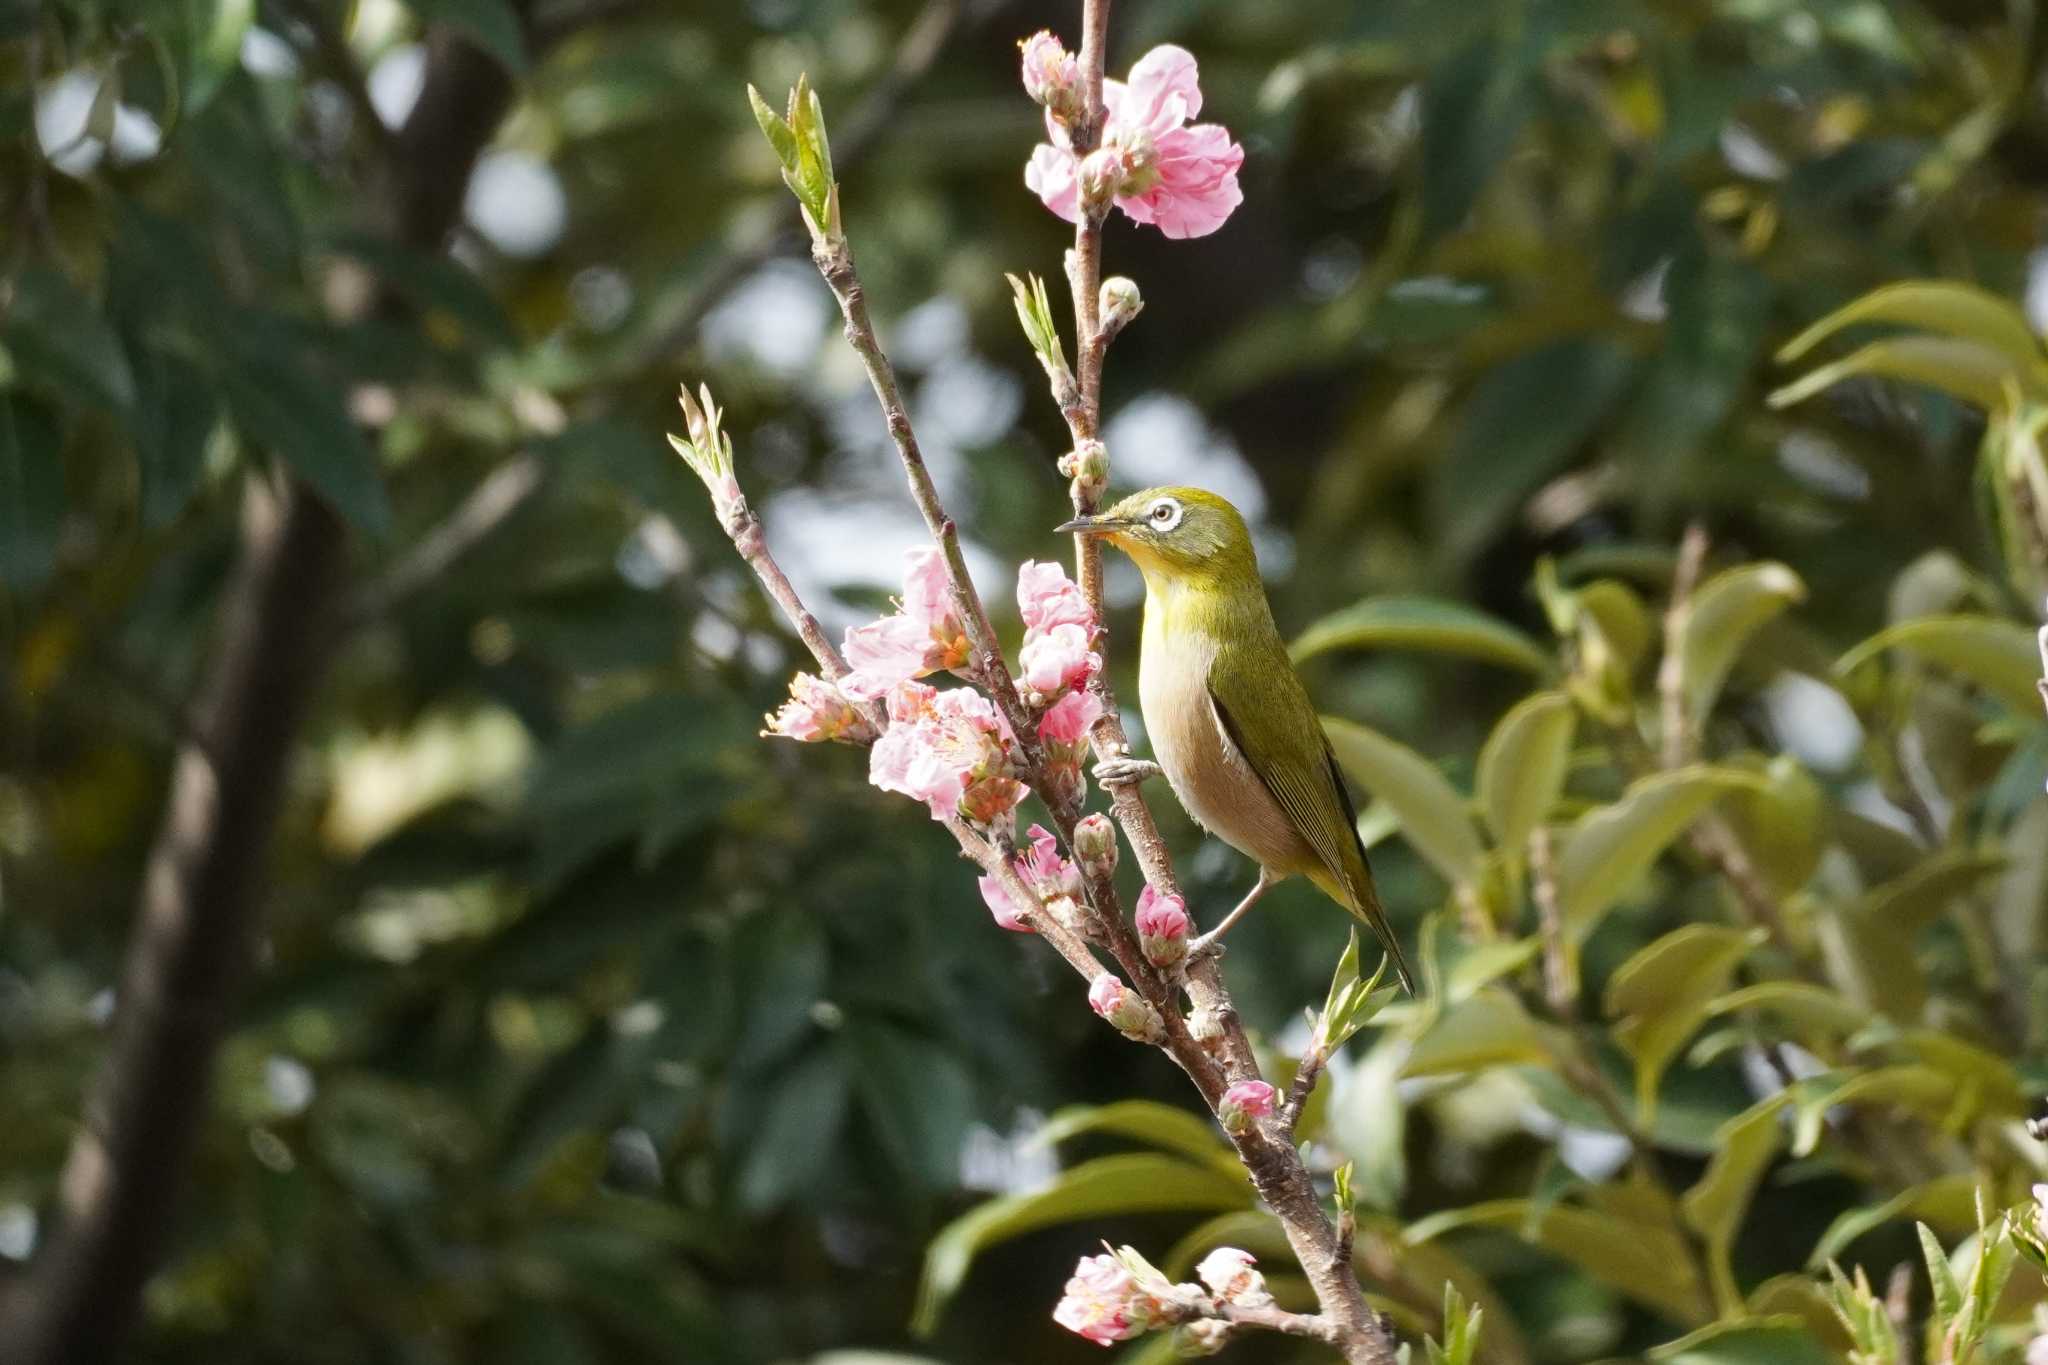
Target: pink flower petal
1053, 175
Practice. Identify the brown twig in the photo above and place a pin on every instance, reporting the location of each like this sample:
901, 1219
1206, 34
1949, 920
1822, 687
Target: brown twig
1692, 558
1560, 977
488, 506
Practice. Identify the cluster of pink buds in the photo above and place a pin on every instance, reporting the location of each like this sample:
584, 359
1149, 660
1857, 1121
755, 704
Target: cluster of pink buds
1150, 161
1120, 1295
1054, 668
817, 710
1162, 928
1106, 1300
1243, 1104
924, 634
1126, 1010
1052, 879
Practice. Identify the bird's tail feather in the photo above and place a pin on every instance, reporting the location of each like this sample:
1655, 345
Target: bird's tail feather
1366, 907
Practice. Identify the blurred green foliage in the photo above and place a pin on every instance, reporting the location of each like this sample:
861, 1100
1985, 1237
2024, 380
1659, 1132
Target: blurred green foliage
590, 1027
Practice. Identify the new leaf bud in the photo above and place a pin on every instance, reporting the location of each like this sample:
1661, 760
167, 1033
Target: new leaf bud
1095, 845
1118, 303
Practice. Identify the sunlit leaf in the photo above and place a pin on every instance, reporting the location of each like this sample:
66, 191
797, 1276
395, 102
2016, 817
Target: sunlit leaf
1715, 1207
1949, 307
1490, 1029
1967, 370
1161, 1125
1661, 995
1999, 656
1432, 813
1522, 767
1611, 846
1646, 1261
1723, 615
1777, 1339
1426, 624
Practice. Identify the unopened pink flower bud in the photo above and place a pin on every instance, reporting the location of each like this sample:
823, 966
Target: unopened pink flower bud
1228, 1273
1124, 1008
1242, 1104
1052, 76
1162, 927
1095, 845
1118, 302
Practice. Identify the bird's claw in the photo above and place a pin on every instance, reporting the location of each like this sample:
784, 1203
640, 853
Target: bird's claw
1126, 771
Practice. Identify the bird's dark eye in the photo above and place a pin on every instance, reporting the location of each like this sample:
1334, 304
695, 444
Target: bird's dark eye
1161, 512
1164, 514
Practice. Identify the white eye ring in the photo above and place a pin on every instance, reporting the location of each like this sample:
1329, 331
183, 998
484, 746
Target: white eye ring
1164, 514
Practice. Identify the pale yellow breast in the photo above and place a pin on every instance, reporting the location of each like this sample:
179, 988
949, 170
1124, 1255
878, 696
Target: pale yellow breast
1211, 778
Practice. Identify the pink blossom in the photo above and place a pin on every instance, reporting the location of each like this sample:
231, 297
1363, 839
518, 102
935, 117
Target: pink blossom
1181, 179
882, 654
1104, 1302
949, 750
1046, 597
928, 592
1242, 1103
1162, 927
1056, 659
1042, 869
1228, 1273
817, 710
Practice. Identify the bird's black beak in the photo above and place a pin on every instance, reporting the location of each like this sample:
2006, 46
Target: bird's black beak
1098, 525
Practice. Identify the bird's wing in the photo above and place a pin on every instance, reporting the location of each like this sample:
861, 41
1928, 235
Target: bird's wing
1312, 793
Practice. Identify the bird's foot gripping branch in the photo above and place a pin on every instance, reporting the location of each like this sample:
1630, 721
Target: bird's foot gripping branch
948, 720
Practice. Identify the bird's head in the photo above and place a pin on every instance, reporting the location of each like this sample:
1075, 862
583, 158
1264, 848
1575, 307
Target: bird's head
1178, 536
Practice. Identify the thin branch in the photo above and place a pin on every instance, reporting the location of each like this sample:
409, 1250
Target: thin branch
1560, 979
1692, 557
488, 506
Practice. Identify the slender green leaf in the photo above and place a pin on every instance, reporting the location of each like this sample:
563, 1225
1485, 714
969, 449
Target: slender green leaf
1647, 1261
1967, 370
1953, 309
1999, 656
1661, 996
1948, 1295
1772, 1339
1427, 624
1161, 1125
1523, 765
1612, 846
1716, 1206
1490, 1029
1725, 613
1432, 813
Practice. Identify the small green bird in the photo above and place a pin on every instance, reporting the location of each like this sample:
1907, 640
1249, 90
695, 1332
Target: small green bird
1235, 732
